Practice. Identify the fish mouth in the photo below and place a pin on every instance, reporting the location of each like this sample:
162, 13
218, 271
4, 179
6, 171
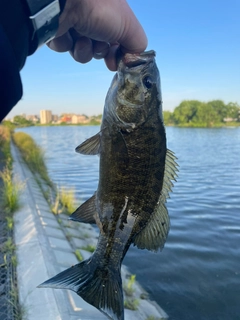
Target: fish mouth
132, 60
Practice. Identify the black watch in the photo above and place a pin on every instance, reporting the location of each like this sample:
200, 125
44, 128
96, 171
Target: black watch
43, 17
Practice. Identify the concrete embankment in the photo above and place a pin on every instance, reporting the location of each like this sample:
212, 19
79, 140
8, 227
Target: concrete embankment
46, 245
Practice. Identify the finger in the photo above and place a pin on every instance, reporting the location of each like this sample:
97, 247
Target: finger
100, 49
111, 58
61, 44
133, 38
82, 50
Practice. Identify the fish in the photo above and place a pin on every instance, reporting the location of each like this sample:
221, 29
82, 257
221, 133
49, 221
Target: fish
136, 173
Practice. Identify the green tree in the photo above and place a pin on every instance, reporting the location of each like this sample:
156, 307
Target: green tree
233, 110
168, 117
8, 124
220, 109
186, 111
204, 114
20, 121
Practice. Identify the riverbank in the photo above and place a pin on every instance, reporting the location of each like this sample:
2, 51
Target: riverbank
9, 306
201, 126
185, 125
55, 244
194, 277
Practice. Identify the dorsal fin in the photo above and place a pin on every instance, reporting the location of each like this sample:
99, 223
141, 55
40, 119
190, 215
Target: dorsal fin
170, 173
154, 235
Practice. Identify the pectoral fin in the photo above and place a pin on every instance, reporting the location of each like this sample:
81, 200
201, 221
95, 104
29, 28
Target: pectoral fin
86, 212
154, 235
91, 146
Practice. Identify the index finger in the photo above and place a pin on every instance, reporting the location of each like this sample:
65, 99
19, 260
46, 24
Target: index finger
133, 38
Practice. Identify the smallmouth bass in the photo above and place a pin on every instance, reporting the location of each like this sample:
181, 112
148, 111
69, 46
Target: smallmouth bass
136, 170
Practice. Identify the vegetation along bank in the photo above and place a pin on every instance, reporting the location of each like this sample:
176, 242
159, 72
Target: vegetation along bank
194, 113
9, 202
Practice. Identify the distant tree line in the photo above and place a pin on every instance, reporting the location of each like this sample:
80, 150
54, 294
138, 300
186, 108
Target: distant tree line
18, 122
194, 113
21, 121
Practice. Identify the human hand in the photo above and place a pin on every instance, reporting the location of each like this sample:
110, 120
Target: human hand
96, 29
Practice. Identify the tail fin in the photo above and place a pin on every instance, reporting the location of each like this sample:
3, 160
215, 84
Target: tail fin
100, 287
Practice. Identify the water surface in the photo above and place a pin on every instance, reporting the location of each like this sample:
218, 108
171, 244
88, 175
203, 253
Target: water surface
197, 275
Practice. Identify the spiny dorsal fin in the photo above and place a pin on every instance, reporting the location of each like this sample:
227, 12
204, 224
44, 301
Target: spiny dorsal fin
86, 212
91, 146
170, 173
154, 235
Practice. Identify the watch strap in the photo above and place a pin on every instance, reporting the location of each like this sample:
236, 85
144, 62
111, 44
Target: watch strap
43, 17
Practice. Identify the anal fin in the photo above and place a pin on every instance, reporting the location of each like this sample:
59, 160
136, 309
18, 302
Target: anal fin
86, 212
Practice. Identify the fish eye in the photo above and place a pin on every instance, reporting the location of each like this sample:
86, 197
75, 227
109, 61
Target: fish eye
147, 81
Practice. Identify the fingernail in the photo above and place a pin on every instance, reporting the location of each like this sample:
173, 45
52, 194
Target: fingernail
99, 54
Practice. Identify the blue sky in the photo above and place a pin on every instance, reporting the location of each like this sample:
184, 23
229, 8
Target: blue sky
198, 56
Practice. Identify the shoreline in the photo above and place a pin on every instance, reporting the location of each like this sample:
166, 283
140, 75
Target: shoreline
218, 126
54, 241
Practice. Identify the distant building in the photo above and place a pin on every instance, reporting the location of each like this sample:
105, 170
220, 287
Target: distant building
230, 119
55, 118
45, 116
33, 118
79, 119
66, 118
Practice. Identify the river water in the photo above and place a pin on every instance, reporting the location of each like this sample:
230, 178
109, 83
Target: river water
197, 275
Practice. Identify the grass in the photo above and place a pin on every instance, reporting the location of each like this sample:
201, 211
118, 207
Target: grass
5, 137
69, 236
85, 235
64, 201
10, 191
20, 311
8, 248
67, 199
153, 318
78, 255
131, 304
89, 248
9, 223
32, 155
129, 285
55, 206
9, 203
5, 134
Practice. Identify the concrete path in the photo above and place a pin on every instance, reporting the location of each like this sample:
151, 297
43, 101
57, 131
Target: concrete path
46, 245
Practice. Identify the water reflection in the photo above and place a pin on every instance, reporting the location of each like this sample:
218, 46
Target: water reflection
197, 275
